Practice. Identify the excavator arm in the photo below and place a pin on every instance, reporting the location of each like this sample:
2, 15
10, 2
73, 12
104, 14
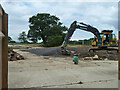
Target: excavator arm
73, 27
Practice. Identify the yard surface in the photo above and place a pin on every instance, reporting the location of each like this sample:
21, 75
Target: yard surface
59, 72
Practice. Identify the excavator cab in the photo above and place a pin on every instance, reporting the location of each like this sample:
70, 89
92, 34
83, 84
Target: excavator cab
106, 39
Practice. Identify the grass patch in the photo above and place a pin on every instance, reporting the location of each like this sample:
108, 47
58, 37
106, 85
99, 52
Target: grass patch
26, 44
70, 45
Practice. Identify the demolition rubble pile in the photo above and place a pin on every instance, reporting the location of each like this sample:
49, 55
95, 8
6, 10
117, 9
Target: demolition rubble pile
13, 56
81, 53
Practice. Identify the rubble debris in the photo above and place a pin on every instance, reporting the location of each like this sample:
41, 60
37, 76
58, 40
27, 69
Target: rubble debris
82, 53
96, 57
72, 53
80, 82
106, 59
46, 57
92, 58
88, 58
13, 56
46, 69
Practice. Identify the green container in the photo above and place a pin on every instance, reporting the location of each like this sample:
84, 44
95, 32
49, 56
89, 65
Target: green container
75, 59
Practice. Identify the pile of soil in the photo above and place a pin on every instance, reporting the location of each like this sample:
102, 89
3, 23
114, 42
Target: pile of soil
56, 52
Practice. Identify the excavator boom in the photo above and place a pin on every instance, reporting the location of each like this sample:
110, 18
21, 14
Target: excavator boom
83, 26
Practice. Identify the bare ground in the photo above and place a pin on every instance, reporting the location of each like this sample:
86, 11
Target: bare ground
59, 72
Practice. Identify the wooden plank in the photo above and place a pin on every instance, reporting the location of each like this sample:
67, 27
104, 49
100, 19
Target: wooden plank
5, 51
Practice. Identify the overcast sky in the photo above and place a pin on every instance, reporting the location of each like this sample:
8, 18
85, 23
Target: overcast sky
102, 15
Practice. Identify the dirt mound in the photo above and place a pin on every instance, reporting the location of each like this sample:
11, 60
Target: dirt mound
82, 52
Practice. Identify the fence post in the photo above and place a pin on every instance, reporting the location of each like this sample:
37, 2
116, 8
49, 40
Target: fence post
4, 49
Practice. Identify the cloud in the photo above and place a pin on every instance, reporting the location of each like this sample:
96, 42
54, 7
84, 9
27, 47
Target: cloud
102, 15
61, 1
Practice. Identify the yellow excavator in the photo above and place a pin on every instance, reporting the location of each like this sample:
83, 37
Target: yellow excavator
106, 35
102, 40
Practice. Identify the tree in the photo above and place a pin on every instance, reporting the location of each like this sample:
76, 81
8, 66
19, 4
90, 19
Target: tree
9, 39
23, 37
43, 26
33, 36
54, 41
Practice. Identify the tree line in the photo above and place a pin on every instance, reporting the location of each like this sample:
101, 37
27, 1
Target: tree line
45, 27
82, 42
